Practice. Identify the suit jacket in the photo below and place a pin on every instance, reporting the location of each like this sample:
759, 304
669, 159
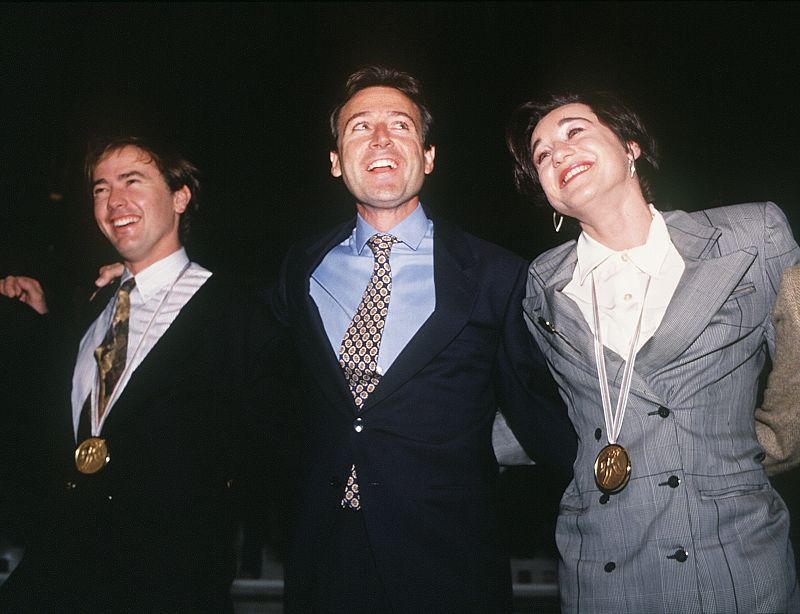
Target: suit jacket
427, 472
153, 530
698, 528
778, 418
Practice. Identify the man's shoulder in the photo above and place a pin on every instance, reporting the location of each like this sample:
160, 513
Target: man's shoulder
453, 236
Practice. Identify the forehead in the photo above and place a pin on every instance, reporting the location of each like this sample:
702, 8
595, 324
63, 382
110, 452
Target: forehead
552, 121
125, 158
379, 100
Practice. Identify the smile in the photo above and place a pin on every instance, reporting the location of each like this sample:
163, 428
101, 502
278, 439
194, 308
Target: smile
573, 172
125, 221
382, 163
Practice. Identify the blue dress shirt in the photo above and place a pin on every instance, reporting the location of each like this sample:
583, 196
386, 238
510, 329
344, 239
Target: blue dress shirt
338, 284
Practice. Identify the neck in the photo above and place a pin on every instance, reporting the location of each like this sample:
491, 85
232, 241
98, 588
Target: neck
621, 228
383, 220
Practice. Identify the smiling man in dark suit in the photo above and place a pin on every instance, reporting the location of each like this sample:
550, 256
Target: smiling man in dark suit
143, 454
410, 334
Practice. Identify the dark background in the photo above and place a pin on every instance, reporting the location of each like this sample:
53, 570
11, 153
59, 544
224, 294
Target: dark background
246, 89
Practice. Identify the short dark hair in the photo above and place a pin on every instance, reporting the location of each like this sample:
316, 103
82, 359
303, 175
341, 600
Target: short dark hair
612, 112
176, 170
380, 76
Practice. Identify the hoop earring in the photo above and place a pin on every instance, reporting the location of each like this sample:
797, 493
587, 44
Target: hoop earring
632, 166
558, 219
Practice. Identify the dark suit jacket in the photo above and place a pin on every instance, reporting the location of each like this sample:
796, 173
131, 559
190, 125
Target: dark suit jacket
426, 467
153, 530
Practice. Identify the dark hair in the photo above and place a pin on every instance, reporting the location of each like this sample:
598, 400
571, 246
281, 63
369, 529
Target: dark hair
612, 112
176, 170
380, 76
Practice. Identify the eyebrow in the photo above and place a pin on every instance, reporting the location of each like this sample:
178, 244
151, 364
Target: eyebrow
121, 176
391, 114
561, 122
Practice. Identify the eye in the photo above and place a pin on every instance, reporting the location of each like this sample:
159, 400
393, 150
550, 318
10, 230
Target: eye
401, 125
360, 126
131, 181
542, 157
99, 191
573, 131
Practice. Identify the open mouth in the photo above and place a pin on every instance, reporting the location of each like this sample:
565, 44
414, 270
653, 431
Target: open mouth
122, 222
382, 163
573, 172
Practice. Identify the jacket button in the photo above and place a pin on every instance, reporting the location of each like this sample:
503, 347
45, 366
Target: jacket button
70, 486
663, 411
598, 433
609, 567
680, 555
604, 498
358, 425
673, 481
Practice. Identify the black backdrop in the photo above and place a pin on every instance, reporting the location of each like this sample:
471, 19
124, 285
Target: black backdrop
246, 88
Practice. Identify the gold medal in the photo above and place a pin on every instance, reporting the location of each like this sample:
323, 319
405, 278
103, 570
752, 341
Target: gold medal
612, 468
91, 455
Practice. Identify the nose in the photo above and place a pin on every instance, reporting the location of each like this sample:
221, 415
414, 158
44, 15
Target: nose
115, 198
561, 151
381, 137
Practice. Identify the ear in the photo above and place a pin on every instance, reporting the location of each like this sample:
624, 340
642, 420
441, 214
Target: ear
429, 155
634, 149
181, 198
336, 169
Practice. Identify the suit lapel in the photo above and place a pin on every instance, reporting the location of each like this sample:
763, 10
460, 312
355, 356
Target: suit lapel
170, 352
707, 282
456, 292
312, 341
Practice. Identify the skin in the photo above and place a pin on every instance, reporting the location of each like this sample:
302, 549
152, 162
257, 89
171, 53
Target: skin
382, 124
584, 170
26, 289
135, 209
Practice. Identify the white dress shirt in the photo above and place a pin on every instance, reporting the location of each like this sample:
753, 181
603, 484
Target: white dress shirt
161, 291
621, 279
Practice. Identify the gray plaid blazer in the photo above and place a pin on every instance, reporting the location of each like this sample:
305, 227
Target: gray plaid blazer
698, 528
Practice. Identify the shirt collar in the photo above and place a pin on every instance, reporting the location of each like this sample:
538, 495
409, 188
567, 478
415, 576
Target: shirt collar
158, 275
410, 231
648, 257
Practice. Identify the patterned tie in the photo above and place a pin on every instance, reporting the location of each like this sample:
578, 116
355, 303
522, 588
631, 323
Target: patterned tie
111, 354
358, 355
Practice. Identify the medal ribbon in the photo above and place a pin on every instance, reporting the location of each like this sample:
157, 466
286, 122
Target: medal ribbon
98, 423
614, 420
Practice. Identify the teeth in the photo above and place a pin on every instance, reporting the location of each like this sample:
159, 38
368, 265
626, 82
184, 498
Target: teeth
382, 164
575, 171
124, 221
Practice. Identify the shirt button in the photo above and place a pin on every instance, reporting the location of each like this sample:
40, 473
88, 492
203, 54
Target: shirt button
598, 433
609, 567
663, 411
673, 481
358, 425
624, 257
627, 296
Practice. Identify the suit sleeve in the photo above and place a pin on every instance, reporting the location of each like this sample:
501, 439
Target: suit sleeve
778, 418
528, 395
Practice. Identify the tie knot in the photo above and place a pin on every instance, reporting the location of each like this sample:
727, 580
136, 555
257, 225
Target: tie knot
381, 243
128, 285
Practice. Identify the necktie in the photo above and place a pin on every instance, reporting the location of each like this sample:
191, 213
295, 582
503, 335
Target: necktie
111, 354
358, 355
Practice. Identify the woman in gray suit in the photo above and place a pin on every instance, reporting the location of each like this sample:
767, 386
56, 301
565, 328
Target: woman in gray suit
656, 327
